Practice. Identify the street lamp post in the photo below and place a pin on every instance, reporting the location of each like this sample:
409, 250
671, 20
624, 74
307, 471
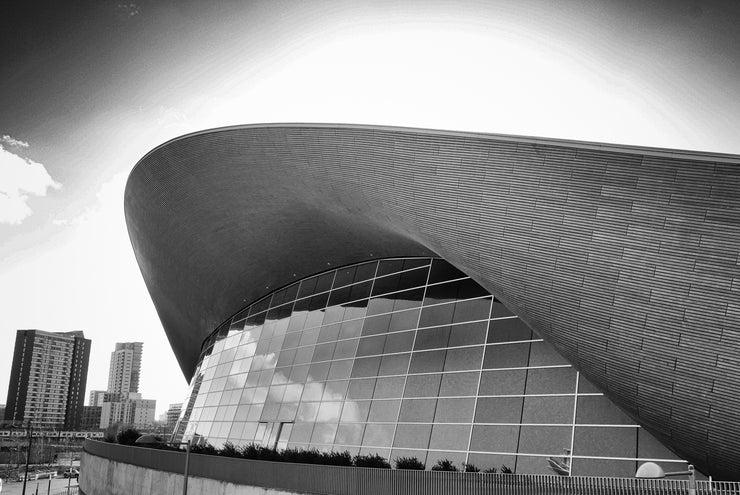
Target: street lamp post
150, 439
29, 431
652, 470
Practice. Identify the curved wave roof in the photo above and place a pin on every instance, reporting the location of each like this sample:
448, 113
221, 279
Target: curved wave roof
626, 259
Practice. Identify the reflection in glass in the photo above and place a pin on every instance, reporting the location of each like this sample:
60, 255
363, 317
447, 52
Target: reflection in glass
398, 357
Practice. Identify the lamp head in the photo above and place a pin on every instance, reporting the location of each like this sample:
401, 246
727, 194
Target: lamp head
650, 470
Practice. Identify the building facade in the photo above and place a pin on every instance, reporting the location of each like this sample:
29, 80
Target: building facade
48, 379
172, 415
622, 259
132, 411
91, 418
122, 403
97, 397
125, 368
406, 358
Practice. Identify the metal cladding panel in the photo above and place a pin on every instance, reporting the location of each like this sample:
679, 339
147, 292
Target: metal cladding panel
625, 259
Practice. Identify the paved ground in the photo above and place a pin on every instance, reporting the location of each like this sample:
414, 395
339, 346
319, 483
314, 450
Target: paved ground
58, 485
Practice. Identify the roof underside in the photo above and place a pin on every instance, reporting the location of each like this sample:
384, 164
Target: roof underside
625, 259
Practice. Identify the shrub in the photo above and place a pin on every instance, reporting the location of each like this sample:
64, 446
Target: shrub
506, 469
128, 436
470, 468
444, 465
336, 458
205, 448
109, 437
260, 453
229, 450
491, 470
371, 461
409, 463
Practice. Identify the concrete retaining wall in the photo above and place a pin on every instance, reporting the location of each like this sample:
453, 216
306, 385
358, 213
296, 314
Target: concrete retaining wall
101, 476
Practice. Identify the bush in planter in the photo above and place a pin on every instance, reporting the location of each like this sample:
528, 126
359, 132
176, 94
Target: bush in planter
470, 468
506, 469
229, 450
128, 436
409, 463
491, 470
336, 458
444, 465
260, 453
371, 461
205, 448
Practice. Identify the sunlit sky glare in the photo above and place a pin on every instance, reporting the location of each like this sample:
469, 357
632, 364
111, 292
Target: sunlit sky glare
89, 87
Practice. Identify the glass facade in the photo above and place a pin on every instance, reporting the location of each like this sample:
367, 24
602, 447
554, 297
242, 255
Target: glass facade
405, 357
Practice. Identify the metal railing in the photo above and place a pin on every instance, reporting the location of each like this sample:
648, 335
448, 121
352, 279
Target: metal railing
339, 480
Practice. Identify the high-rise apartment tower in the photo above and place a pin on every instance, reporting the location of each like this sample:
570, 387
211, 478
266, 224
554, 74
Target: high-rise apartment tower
48, 378
125, 367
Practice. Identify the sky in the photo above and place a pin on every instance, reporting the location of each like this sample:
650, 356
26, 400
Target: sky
87, 88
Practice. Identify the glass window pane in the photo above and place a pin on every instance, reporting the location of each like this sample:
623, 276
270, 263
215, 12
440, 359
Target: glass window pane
396, 364
407, 299
366, 367
605, 442
496, 438
442, 270
389, 266
351, 329
323, 352
366, 271
548, 410
376, 325
506, 356
543, 354
329, 333
427, 361
417, 410
437, 315
504, 382
378, 435
463, 358
413, 436
452, 437
432, 338
371, 346
422, 385
404, 320
499, 410
476, 309
551, 381
441, 293
468, 333
389, 388
350, 434
361, 389
345, 348
336, 390
454, 411
398, 342
323, 434
345, 276
509, 330
457, 384
355, 411
384, 410
549, 440
329, 412
340, 369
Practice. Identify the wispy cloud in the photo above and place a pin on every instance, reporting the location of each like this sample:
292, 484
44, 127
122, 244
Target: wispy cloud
13, 142
20, 178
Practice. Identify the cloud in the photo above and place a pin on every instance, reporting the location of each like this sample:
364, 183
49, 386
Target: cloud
13, 142
20, 178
